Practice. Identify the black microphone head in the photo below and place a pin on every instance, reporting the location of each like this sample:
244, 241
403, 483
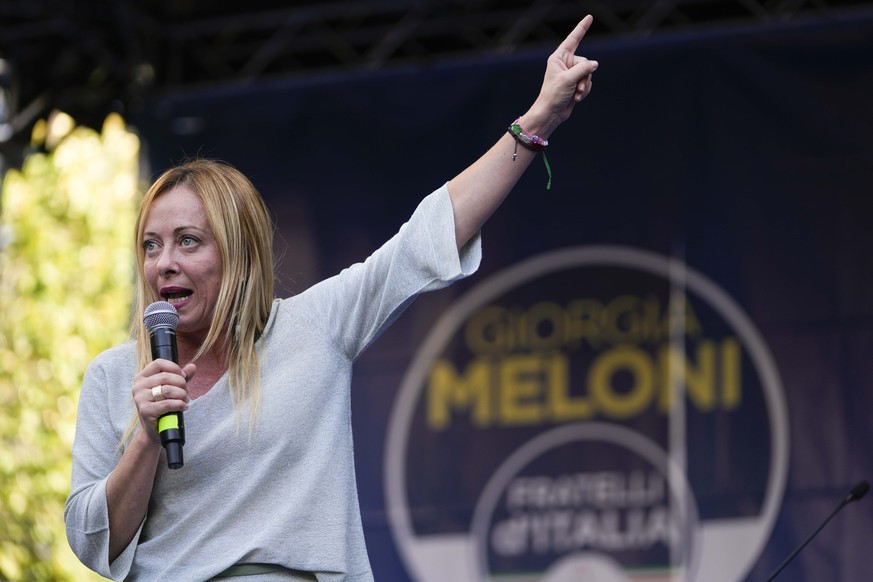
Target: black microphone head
858, 491
160, 314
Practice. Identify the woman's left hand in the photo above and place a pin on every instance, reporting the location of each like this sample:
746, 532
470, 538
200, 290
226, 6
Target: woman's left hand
567, 81
481, 187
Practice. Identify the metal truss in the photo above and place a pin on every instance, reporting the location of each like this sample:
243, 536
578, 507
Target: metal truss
88, 57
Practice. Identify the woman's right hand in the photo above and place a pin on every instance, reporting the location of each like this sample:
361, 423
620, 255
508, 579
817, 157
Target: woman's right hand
161, 388
129, 486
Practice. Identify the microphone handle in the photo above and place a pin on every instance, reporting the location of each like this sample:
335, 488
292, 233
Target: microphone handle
163, 342
171, 426
807, 540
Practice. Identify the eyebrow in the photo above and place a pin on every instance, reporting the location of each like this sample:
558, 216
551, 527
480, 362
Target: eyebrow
179, 229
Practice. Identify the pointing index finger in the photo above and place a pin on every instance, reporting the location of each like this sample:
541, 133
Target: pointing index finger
571, 43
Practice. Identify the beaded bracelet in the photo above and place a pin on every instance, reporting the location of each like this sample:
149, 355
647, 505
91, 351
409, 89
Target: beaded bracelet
532, 142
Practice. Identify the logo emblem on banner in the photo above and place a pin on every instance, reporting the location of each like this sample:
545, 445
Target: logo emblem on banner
592, 413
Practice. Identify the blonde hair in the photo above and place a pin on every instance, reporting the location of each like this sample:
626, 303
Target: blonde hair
243, 229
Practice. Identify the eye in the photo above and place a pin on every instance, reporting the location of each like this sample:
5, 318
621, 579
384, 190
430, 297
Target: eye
150, 246
187, 240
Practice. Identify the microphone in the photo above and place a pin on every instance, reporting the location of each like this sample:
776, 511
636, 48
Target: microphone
161, 319
857, 492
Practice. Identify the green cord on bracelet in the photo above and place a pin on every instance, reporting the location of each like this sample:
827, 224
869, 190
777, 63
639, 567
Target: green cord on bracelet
532, 142
548, 171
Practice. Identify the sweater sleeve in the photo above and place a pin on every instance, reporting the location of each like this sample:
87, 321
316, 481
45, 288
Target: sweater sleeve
95, 455
359, 303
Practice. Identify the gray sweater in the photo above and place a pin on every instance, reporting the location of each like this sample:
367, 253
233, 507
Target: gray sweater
287, 495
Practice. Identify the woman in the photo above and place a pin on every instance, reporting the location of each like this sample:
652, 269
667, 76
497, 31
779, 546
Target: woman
268, 488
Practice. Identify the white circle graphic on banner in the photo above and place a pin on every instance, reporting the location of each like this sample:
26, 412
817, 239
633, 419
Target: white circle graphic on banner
670, 513
591, 568
601, 409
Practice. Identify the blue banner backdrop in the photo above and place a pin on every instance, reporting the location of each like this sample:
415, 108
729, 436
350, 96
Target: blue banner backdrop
663, 366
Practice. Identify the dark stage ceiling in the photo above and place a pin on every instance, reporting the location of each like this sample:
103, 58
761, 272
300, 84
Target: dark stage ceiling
91, 57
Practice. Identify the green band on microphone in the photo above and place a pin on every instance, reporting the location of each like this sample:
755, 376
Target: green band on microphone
168, 422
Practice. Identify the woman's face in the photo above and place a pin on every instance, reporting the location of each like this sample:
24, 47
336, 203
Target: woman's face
182, 258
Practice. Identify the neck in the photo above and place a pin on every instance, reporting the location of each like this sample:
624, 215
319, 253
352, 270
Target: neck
189, 345
211, 366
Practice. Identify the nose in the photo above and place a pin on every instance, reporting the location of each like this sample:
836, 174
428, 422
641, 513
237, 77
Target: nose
167, 263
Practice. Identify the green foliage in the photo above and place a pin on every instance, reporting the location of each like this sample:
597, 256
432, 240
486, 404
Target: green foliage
66, 274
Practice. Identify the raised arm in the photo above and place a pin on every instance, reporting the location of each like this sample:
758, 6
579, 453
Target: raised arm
478, 190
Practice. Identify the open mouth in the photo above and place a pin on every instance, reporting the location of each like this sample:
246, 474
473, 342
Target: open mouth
176, 296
